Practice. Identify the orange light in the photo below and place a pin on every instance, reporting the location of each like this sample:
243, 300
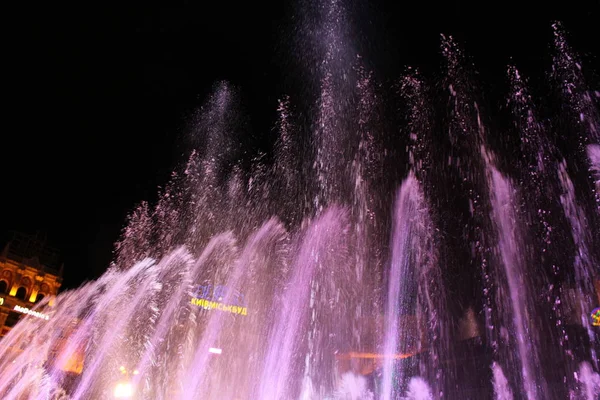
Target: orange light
352, 354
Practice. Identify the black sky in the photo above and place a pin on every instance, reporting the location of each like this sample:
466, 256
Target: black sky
97, 96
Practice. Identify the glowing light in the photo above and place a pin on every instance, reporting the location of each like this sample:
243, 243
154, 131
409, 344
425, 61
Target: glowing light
27, 311
1, 300
214, 350
352, 354
123, 390
596, 317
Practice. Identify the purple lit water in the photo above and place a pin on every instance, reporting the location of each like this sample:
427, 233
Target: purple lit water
413, 257
514, 298
502, 390
584, 266
427, 255
593, 151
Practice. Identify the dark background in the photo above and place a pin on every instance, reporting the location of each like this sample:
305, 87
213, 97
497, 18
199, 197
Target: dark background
98, 96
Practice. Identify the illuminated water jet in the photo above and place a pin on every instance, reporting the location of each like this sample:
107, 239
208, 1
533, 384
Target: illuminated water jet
355, 263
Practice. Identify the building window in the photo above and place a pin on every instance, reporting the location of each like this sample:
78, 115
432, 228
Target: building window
21, 293
3, 286
39, 297
12, 319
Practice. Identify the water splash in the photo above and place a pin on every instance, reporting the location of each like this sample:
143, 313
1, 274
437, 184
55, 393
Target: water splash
502, 389
517, 292
589, 383
353, 387
259, 277
418, 390
593, 152
584, 269
412, 254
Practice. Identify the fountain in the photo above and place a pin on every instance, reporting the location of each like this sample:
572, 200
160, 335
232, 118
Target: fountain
344, 267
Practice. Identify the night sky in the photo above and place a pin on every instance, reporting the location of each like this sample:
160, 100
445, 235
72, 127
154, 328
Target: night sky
98, 97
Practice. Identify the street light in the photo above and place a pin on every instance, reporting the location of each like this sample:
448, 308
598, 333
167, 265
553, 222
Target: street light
123, 390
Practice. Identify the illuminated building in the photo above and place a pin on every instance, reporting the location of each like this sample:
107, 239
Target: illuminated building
28, 274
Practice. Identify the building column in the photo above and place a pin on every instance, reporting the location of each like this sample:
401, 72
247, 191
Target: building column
15, 284
3, 316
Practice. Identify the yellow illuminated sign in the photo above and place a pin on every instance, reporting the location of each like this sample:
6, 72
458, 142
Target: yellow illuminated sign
215, 305
211, 297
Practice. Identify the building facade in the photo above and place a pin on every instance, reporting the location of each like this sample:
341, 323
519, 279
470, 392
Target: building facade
28, 274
